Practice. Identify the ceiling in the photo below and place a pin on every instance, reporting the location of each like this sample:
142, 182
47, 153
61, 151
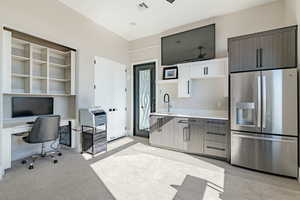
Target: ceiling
126, 19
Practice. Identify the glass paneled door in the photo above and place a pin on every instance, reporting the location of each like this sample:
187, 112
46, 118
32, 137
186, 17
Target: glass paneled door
144, 97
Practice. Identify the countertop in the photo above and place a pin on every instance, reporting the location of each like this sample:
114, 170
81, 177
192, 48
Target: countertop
22, 123
202, 114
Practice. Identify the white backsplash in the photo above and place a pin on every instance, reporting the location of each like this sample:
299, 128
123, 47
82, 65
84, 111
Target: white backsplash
207, 94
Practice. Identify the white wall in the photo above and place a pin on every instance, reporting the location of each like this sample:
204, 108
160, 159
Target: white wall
269, 16
53, 21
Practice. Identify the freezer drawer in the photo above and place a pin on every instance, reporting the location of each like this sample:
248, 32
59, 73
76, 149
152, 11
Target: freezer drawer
273, 154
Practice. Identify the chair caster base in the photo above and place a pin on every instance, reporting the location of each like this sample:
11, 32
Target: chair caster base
30, 167
59, 154
24, 162
55, 161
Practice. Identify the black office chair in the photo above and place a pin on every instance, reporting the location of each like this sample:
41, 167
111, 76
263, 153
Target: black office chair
45, 129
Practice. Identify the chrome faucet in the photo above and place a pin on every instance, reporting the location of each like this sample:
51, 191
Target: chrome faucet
167, 100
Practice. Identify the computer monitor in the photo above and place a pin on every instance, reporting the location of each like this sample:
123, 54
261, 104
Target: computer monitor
31, 106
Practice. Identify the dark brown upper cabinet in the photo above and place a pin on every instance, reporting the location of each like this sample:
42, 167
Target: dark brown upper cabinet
266, 50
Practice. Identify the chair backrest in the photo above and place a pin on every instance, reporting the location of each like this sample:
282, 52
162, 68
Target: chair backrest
45, 128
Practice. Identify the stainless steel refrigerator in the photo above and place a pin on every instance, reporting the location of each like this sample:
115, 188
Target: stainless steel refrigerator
264, 121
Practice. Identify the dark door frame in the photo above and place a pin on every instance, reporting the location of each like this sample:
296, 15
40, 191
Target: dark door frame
137, 67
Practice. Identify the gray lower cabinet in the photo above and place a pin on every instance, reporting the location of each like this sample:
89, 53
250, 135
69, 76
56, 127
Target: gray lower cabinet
196, 136
216, 137
195, 139
156, 130
181, 133
162, 131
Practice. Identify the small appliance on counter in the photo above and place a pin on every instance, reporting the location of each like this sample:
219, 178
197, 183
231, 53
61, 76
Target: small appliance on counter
93, 123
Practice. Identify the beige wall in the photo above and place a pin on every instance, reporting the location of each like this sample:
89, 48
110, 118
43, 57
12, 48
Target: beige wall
53, 21
261, 18
252, 20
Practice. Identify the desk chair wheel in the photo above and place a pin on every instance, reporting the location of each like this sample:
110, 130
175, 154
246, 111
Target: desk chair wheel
59, 154
55, 161
31, 167
24, 162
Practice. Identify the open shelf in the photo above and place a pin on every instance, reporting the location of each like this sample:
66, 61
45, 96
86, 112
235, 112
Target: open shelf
59, 87
37, 69
20, 58
20, 49
59, 65
59, 80
39, 86
39, 61
20, 84
20, 75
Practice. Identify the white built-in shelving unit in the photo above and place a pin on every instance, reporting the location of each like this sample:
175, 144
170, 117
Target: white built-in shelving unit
32, 69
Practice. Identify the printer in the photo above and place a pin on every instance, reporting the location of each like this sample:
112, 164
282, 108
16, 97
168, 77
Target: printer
92, 117
93, 130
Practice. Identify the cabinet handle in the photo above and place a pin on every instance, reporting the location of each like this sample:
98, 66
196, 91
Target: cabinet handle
216, 122
215, 148
213, 133
257, 58
183, 134
183, 122
188, 87
206, 70
186, 134
261, 57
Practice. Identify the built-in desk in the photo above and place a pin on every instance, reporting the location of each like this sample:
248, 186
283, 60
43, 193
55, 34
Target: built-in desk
16, 127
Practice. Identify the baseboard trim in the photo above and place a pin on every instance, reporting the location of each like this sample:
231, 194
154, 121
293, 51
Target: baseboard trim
1, 172
299, 175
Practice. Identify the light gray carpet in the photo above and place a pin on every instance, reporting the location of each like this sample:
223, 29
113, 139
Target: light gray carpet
71, 178
181, 176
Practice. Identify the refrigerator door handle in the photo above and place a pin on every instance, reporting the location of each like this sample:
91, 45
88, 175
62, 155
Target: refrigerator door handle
264, 100
258, 101
289, 140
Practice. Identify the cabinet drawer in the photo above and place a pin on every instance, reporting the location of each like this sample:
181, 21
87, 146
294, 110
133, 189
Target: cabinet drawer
216, 123
197, 122
215, 149
218, 137
217, 126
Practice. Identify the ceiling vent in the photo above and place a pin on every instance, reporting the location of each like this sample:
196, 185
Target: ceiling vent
143, 6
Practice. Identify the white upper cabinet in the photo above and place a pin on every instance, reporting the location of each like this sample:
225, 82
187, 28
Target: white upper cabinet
209, 69
217, 68
184, 81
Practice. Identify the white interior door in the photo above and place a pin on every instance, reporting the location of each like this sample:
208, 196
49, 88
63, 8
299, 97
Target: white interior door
110, 94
